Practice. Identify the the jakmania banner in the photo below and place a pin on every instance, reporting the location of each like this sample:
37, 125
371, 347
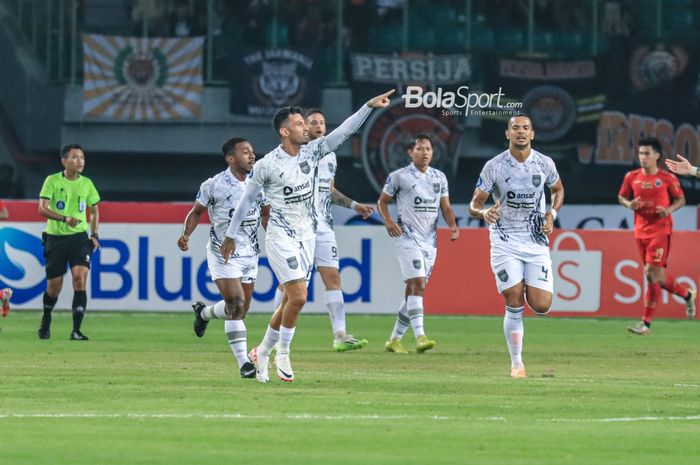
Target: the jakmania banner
263, 80
142, 79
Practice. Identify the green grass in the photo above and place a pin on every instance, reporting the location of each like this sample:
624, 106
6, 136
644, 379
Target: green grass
159, 395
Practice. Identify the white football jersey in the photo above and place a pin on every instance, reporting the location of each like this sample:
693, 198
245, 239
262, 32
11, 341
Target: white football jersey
520, 189
327, 168
220, 195
289, 183
418, 200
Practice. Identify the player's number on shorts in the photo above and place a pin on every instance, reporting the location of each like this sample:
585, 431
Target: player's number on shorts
335, 251
545, 272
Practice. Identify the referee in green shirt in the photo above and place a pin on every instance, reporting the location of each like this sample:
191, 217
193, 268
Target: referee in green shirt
64, 199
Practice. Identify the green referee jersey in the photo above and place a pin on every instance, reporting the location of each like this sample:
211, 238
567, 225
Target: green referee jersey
68, 198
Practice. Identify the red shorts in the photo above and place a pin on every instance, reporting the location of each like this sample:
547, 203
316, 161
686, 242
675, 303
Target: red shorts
654, 250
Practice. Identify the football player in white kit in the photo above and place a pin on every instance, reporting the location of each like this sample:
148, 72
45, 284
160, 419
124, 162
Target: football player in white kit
420, 192
519, 225
326, 252
288, 176
236, 278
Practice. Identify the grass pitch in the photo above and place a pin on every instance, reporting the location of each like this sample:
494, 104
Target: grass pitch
145, 390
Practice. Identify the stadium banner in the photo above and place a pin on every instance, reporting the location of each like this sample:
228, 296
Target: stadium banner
139, 267
142, 79
265, 79
387, 133
562, 97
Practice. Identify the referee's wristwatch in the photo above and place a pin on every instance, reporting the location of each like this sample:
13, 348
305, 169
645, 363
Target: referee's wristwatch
95, 236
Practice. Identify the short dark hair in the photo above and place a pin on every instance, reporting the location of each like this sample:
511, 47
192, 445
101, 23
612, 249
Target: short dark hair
311, 111
229, 146
652, 142
67, 148
520, 115
655, 145
422, 136
283, 114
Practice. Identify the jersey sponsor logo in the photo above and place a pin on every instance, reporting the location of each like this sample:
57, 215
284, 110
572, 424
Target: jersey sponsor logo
293, 263
305, 167
520, 200
502, 275
60, 205
536, 180
297, 194
81, 206
420, 200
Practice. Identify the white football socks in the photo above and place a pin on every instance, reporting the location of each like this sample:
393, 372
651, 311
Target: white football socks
214, 312
514, 331
286, 336
237, 339
269, 340
336, 310
414, 307
402, 322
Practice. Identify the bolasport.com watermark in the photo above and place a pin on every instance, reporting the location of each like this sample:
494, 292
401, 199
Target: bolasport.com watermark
461, 102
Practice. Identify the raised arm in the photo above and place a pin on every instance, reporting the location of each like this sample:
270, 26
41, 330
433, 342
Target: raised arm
682, 166
348, 127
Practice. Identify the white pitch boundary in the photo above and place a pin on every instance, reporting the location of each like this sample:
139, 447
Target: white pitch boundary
223, 416
309, 416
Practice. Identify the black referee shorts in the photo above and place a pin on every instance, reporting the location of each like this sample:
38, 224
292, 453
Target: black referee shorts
60, 251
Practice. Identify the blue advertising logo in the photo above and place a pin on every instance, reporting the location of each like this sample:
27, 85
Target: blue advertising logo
21, 264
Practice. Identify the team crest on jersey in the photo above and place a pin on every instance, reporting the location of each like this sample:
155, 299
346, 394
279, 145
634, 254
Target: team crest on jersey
436, 187
417, 264
293, 263
657, 183
304, 167
503, 275
536, 180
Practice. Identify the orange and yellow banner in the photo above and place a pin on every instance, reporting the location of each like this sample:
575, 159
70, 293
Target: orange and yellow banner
142, 79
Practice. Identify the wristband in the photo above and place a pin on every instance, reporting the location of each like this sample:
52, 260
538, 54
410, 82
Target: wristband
353, 205
554, 213
694, 171
64, 219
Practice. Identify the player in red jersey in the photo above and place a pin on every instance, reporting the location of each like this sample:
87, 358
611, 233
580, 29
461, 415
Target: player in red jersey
654, 194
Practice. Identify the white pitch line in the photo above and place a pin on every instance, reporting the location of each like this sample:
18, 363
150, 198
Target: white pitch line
224, 416
624, 419
309, 416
